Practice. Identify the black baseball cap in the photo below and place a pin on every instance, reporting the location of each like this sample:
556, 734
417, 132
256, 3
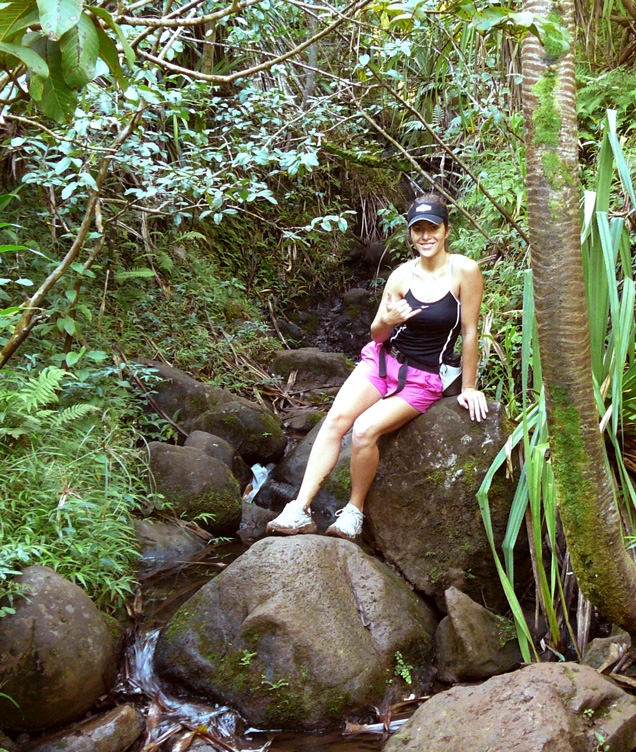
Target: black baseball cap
435, 213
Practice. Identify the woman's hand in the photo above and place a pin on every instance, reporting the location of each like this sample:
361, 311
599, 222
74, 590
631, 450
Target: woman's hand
475, 402
398, 311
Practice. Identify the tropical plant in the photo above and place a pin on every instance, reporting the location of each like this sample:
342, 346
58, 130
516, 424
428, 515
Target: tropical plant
610, 297
71, 481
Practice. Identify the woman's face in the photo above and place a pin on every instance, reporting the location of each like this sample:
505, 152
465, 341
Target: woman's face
428, 238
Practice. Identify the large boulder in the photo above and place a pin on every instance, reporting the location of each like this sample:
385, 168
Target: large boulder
545, 707
421, 510
284, 481
253, 430
473, 643
56, 654
196, 484
300, 633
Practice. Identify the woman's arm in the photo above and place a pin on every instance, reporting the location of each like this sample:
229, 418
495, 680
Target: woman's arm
393, 309
471, 290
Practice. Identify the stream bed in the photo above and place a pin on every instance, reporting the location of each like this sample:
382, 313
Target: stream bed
175, 724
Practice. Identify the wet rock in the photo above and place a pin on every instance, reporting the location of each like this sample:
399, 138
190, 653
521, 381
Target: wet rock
283, 483
555, 707
473, 643
313, 372
165, 544
56, 654
300, 633
254, 522
195, 484
255, 432
220, 449
421, 510
114, 731
603, 652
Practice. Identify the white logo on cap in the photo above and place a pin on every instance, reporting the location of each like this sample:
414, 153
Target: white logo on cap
424, 208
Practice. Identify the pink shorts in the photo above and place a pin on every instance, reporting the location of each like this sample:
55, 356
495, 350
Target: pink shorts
421, 389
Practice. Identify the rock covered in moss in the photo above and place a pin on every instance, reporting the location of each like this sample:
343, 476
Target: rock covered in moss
300, 633
56, 654
254, 431
196, 484
221, 450
422, 511
473, 643
551, 707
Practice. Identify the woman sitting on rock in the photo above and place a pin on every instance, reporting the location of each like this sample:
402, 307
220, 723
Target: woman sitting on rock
426, 304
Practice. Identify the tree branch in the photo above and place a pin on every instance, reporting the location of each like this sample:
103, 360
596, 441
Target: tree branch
352, 7
455, 157
25, 323
422, 172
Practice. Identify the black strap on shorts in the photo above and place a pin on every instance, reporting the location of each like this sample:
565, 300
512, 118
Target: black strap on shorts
388, 349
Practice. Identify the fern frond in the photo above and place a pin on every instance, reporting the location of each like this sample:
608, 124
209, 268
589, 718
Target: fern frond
134, 274
69, 414
42, 390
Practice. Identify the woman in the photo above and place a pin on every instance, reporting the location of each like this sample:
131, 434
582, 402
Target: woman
426, 304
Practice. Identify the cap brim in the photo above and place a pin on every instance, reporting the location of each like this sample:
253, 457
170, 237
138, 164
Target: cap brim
432, 218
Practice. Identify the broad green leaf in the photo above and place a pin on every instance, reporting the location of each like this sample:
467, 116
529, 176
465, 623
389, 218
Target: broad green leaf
10, 311
58, 16
108, 53
105, 16
57, 99
7, 248
18, 15
80, 47
30, 58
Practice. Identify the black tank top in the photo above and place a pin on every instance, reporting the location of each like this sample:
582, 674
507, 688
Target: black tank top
431, 334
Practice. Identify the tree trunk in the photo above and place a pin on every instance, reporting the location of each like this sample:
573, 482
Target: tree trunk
585, 491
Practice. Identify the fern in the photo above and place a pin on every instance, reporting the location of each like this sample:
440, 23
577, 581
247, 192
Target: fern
70, 414
42, 390
142, 273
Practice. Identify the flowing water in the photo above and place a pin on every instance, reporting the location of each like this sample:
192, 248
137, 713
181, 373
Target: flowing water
175, 724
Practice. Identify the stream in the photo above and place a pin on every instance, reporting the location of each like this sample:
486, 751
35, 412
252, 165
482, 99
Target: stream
175, 724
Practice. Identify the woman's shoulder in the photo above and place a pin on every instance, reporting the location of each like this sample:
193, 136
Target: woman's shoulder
401, 273
463, 262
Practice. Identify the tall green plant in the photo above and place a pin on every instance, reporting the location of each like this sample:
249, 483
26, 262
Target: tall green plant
610, 291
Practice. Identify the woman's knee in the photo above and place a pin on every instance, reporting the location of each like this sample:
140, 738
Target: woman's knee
337, 422
364, 433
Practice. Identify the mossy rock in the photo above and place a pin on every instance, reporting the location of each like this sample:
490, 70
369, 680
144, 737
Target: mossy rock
198, 487
422, 511
300, 633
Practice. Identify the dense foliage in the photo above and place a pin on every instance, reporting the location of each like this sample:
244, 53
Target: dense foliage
176, 175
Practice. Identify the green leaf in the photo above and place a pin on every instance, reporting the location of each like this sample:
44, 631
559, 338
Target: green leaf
10, 311
58, 16
19, 15
66, 324
57, 99
30, 58
80, 47
108, 53
105, 16
7, 248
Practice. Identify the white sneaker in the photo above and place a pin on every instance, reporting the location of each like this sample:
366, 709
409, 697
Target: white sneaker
292, 521
349, 523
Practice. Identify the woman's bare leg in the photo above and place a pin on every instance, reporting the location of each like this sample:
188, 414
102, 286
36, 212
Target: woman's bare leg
355, 397
379, 419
